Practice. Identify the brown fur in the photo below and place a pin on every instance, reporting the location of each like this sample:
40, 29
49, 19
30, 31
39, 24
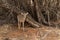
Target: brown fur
21, 19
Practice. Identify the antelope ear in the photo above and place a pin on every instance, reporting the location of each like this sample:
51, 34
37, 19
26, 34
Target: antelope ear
27, 13
21, 13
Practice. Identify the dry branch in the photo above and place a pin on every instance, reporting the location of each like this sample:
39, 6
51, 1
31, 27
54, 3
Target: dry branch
32, 21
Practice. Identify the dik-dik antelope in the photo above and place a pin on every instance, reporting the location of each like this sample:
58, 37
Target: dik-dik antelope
21, 19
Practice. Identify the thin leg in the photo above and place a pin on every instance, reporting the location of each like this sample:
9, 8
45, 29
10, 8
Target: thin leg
19, 25
23, 25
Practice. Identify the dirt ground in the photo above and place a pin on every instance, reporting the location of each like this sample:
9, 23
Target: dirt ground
43, 33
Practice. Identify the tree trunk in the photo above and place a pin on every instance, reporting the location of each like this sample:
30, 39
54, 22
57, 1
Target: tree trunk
37, 10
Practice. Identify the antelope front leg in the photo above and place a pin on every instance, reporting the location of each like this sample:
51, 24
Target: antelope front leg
19, 25
23, 26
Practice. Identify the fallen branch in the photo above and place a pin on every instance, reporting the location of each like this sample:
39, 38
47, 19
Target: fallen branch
32, 21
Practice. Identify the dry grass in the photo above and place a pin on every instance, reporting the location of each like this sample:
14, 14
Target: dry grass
44, 33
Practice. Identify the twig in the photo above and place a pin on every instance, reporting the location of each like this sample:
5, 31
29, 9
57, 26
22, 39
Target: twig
45, 35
